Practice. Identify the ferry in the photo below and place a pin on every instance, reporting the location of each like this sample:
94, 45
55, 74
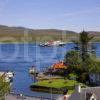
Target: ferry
52, 43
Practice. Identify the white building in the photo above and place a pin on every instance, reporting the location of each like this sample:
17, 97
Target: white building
90, 93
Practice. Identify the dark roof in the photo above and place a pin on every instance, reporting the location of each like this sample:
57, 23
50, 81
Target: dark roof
89, 95
90, 91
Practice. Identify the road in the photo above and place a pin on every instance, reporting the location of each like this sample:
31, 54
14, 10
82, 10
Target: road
17, 97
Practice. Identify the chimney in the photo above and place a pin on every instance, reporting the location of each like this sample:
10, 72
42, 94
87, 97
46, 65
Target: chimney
78, 88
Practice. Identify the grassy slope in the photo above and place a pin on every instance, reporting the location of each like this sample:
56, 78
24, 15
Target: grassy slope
58, 83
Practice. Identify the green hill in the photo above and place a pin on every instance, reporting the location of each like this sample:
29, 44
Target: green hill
21, 34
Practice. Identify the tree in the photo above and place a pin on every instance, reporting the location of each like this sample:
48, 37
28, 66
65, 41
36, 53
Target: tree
94, 66
86, 49
4, 86
80, 60
73, 61
83, 46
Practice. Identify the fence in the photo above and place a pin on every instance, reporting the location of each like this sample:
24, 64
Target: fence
24, 97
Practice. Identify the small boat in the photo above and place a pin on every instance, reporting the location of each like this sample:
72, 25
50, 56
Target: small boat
7, 79
32, 70
59, 43
43, 44
9, 76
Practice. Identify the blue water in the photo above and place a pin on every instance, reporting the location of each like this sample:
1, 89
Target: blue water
20, 57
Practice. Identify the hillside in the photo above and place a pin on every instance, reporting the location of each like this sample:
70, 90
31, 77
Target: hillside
21, 34
96, 35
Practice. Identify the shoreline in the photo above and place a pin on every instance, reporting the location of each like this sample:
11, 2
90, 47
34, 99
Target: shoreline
47, 89
18, 43
31, 42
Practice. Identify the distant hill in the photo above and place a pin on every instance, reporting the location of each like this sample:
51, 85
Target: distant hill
96, 35
35, 35
21, 34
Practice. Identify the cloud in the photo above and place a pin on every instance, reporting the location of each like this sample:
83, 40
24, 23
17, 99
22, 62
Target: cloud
88, 11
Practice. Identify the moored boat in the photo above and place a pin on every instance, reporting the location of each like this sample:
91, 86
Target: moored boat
32, 70
9, 76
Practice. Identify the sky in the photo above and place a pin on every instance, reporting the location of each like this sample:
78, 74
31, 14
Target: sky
75, 15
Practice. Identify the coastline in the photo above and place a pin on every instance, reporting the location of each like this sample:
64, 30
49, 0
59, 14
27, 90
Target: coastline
33, 42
